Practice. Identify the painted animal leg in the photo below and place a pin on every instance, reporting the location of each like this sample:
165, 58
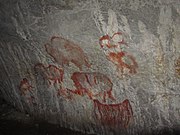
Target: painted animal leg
90, 94
104, 96
110, 95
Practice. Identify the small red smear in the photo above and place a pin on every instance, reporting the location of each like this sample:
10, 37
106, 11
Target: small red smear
65, 93
25, 86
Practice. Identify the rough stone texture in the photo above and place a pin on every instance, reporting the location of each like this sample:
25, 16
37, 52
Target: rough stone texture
150, 30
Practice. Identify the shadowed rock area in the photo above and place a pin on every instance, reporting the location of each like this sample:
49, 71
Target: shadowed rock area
13, 122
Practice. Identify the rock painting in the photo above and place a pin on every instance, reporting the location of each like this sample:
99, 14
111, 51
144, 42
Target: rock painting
25, 86
26, 90
114, 115
52, 73
93, 84
64, 51
120, 60
65, 93
113, 44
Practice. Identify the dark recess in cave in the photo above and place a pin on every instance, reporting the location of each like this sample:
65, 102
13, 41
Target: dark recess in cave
13, 122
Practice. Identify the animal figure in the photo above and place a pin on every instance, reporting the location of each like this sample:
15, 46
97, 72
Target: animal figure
114, 115
93, 84
113, 42
64, 51
118, 60
52, 73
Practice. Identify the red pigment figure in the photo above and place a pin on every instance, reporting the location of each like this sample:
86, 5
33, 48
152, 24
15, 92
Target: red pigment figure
109, 41
66, 93
114, 115
25, 86
119, 58
55, 74
93, 84
64, 51
52, 73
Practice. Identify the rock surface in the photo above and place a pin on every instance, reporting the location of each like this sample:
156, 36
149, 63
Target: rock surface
13, 122
125, 53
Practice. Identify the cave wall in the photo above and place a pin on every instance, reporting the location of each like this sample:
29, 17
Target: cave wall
97, 66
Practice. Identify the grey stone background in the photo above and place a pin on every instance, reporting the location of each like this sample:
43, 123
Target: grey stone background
152, 30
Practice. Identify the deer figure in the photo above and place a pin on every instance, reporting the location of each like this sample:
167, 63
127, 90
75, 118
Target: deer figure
113, 42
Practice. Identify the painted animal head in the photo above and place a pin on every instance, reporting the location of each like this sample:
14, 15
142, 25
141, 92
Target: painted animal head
111, 35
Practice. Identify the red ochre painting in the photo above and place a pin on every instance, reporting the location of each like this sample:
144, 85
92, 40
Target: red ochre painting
25, 86
120, 58
110, 42
65, 93
94, 84
26, 90
52, 73
64, 51
114, 115
97, 85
